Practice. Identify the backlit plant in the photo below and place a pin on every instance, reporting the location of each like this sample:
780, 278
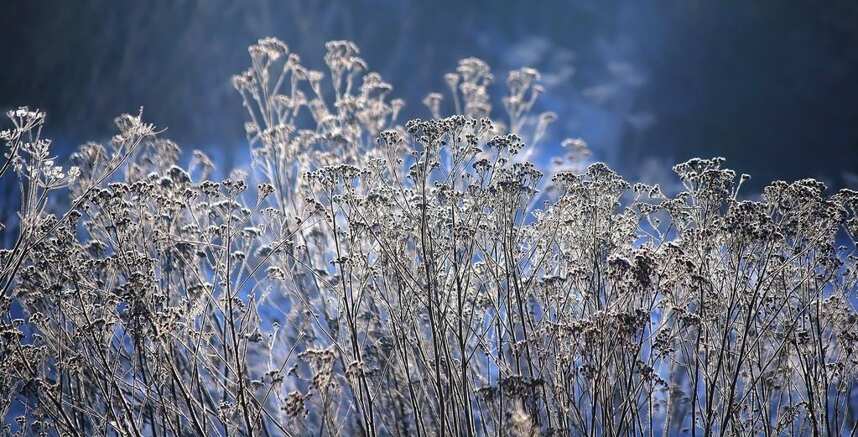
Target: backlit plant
371, 276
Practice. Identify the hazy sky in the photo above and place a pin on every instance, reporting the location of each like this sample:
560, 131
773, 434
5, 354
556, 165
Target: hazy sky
770, 85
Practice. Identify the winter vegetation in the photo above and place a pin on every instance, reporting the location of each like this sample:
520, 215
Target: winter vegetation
367, 275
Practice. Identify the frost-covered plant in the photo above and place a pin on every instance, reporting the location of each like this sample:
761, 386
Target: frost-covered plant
368, 277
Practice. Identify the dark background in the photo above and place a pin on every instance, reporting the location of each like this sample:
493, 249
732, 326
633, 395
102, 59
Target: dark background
770, 85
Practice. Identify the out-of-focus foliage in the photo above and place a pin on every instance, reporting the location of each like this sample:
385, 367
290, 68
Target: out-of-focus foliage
654, 82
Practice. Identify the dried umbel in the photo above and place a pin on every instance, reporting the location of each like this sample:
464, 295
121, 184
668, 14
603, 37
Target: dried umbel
413, 279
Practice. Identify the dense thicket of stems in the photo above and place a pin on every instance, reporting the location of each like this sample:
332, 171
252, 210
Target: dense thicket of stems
416, 279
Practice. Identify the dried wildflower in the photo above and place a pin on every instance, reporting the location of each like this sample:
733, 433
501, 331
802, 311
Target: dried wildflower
294, 405
416, 278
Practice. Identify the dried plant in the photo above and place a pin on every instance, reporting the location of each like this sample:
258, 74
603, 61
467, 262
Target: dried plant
416, 279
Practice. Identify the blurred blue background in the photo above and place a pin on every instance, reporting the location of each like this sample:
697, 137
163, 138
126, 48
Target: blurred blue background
770, 85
